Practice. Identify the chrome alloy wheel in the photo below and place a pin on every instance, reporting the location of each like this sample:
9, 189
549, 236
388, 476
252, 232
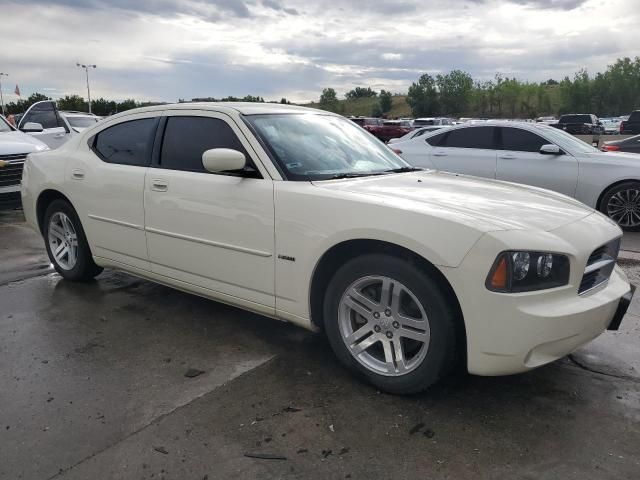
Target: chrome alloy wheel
624, 207
383, 325
63, 241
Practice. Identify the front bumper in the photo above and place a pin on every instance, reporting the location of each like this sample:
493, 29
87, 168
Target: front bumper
515, 332
621, 311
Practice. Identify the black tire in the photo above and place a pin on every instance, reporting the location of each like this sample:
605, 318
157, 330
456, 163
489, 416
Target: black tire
442, 347
85, 268
622, 187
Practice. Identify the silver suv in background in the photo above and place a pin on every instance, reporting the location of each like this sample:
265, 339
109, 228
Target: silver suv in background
54, 127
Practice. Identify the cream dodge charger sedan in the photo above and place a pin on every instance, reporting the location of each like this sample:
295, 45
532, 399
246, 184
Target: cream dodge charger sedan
302, 216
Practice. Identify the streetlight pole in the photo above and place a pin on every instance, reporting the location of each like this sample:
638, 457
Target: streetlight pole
1, 97
86, 69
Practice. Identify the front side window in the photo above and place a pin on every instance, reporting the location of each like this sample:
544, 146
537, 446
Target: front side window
471, 137
519, 140
321, 147
43, 113
127, 143
187, 138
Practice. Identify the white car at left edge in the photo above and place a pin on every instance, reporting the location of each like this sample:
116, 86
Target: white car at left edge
14, 148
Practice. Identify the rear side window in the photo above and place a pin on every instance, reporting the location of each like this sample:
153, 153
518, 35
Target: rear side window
127, 143
187, 138
635, 116
519, 140
436, 139
472, 137
576, 119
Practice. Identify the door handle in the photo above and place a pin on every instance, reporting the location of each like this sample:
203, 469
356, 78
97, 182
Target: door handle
507, 157
159, 185
439, 154
59, 135
77, 174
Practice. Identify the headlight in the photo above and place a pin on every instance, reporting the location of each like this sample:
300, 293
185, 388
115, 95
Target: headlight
519, 271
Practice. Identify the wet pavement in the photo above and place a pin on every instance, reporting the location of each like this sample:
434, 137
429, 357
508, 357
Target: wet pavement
123, 378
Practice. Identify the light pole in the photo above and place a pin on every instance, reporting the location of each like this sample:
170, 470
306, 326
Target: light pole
86, 69
1, 97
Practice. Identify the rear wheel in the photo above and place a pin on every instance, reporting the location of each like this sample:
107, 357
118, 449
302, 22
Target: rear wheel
66, 243
622, 204
391, 323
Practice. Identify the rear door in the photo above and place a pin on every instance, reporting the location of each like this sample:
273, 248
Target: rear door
108, 187
520, 161
470, 150
55, 131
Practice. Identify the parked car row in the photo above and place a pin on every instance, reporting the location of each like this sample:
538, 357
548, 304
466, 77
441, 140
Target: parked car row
299, 215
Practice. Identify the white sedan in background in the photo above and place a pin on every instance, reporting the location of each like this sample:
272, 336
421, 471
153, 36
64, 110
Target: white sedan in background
418, 132
303, 216
538, 155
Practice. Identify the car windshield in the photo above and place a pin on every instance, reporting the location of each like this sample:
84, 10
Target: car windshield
4, 126
568, 141
81, 122
321, 147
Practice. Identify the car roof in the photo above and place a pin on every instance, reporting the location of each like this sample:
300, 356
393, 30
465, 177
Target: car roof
245, 108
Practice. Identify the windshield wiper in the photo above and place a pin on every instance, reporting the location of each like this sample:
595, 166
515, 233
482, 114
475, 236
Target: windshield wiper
338, 176
404, 169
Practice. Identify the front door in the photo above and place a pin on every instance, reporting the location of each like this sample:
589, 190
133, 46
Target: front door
214, 231
520, 161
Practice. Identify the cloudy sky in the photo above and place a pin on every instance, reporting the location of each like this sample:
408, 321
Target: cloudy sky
170, 49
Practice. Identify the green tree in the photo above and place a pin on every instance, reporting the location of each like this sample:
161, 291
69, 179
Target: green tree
22, 105
127, 105
329, 100
73, 102
455, 91
103, 107
423, 97
360, 92
386, 101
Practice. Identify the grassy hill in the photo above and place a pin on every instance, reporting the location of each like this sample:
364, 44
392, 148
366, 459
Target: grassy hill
364, 107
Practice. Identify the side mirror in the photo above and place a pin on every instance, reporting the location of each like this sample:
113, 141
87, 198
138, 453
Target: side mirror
550, 149
32, 127
218, 160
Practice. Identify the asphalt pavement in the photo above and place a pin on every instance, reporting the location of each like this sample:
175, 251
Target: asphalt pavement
123, 378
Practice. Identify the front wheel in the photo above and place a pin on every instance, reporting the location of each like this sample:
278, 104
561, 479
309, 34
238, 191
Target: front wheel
66, 243
391, 323
622, 205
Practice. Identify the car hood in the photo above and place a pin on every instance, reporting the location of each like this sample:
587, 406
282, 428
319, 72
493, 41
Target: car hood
487, 204
624, 157
12, 143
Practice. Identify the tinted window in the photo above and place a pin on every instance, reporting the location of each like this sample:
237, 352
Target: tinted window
521, 140
575, 119
187, 138
635, 117
44, 114
128, 143
472, 137
436, 139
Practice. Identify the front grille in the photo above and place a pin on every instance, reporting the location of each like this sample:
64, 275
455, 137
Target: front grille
11, 174
599, 266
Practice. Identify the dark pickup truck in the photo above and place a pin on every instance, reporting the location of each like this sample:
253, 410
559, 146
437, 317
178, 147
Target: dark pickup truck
631, 126
580, 124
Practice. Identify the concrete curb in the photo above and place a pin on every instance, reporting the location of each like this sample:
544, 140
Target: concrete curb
629, 256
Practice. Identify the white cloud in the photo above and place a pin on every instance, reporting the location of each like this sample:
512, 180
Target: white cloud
170, 49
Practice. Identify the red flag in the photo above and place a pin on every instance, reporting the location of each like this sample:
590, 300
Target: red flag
17, 90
